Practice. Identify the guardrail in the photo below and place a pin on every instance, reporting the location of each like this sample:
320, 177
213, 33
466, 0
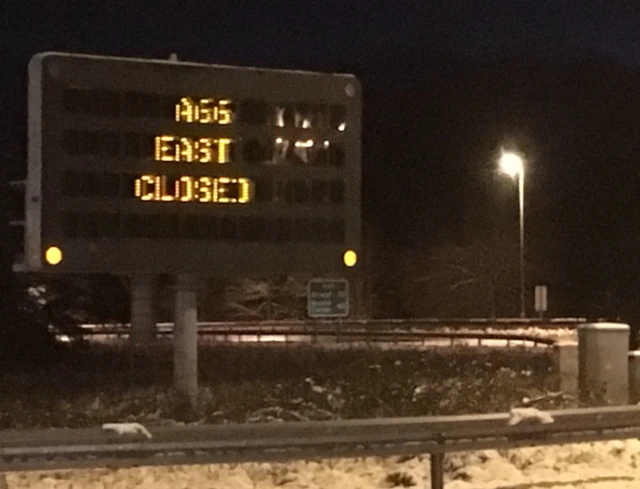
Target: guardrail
291, 334
237, 443
382, 324
395, 331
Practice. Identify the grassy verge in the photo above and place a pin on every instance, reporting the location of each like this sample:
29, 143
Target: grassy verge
242, 383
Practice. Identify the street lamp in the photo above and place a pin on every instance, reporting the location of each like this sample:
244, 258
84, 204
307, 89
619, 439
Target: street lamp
513, 165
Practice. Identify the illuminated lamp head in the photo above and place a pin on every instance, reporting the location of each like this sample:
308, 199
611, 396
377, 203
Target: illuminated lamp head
53, 255
349, 258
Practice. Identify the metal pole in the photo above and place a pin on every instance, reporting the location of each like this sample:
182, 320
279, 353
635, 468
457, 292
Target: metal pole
521, 199
437, 470
185, 339
143, 324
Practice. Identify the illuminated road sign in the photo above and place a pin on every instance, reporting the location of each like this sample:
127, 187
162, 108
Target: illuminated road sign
152, 166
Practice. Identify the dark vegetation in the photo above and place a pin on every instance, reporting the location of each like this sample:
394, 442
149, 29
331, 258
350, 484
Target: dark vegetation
241, 383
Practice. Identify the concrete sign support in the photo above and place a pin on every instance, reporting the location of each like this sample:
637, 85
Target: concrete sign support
185, 339
634, 377
143, 323
603, 357
566, 363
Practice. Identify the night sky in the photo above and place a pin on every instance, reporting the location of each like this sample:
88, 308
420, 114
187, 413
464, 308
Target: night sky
446, 83
315, 33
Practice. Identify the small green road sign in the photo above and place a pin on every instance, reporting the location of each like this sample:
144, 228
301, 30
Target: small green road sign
328, 298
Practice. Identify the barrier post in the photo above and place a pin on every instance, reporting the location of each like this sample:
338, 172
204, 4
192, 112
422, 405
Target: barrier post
437, 470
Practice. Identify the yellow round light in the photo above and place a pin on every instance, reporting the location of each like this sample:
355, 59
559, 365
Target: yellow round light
349, 258
53, 255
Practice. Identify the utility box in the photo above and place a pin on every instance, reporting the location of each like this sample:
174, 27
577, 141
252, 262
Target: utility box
603, 350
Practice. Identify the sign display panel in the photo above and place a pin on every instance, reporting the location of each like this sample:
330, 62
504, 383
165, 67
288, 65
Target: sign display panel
153, 166
328, 298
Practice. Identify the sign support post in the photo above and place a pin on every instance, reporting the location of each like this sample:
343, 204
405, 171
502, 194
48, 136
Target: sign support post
143, 324
185, 339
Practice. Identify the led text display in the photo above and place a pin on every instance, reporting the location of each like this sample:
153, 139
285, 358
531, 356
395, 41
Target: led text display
204, 111
152, 167
173, 148
201, 150
221, 190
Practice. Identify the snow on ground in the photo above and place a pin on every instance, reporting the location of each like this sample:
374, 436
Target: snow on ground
606, 465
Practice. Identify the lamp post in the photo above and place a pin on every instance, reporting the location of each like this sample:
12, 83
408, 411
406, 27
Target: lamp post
513, 165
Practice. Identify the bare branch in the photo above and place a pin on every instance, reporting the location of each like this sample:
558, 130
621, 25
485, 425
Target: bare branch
526, 402
462, 283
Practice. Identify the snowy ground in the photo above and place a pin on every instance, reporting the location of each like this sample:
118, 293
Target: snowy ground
606, 465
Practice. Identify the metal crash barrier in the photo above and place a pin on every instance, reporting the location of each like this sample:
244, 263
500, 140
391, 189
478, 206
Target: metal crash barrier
237, 443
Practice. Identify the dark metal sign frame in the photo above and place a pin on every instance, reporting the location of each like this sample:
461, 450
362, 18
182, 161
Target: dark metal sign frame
276, 155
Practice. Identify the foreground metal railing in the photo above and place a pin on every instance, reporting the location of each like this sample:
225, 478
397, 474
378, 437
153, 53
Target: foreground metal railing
236, 443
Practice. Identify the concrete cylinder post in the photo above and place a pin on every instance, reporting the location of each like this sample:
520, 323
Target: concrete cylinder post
634, 377
603, 350
565, 355
143, 321
185, 339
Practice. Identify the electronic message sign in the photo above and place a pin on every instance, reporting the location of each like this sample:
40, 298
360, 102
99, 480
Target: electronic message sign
153, 166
